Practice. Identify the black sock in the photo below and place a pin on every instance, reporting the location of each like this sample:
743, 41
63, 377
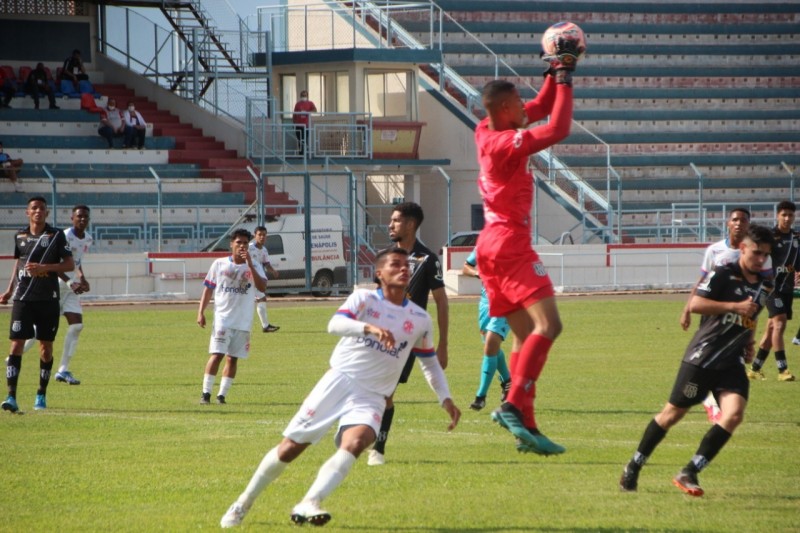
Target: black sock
13, 366
761, 356
780, 360
44, 376
653, 435
383, 434
713, 441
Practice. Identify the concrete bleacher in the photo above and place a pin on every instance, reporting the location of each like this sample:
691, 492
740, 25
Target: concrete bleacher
712, 83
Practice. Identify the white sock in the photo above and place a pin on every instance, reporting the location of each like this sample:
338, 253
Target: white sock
268, 471
70, 343
331, 475
208, 383
225, 386
261, 309
710, 401
28, 344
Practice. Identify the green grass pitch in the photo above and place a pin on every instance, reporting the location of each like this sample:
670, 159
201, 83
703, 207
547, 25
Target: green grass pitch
131, 449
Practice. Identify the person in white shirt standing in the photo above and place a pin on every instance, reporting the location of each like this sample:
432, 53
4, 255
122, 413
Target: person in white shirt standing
380, 329
232, 281
260, 255
71, 286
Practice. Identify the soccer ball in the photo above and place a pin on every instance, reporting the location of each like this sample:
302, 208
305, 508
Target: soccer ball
563, 30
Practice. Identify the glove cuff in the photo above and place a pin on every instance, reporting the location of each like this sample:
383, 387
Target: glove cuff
563, 77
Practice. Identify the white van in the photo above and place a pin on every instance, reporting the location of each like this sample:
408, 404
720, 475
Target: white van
287, 246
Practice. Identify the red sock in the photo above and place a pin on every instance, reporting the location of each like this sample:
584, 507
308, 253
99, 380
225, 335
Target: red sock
525, 370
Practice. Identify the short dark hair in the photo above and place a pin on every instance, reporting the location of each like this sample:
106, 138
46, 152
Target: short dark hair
495, 92
760, 235
786, 205
410, 210
740, 209
80, 206
37, 199
380, 256
259, 228
240, 232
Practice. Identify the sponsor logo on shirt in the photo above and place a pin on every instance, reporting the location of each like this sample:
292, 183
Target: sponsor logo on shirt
380, 347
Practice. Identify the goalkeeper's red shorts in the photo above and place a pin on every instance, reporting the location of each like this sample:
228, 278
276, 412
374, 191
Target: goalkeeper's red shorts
511, 272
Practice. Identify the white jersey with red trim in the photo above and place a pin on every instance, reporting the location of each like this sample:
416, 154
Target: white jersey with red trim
79, 246
720, 253
233, 293
258, 255
369, 362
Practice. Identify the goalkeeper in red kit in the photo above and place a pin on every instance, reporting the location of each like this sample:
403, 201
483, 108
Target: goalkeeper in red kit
515, 279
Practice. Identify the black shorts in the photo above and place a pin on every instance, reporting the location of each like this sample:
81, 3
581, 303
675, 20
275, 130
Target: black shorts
780, 304
693, 384
25, 315
407, 369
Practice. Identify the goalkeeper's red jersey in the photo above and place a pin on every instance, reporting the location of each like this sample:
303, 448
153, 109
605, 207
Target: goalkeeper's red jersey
505, 182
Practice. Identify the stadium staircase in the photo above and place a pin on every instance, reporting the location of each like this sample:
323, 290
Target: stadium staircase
679, 92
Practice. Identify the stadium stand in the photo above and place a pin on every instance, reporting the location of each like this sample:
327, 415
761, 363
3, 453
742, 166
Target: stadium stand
666, 85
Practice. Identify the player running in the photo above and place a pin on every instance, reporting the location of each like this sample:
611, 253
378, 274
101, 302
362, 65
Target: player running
729, 299
380, 329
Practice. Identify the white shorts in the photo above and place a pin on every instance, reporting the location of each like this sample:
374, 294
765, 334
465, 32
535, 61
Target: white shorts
258, 295
335, 397
233, 342
69, 301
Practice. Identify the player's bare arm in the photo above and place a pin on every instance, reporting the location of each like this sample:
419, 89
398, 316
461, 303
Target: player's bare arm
706, 306
469, 270
204, 299
12, 279
35, 269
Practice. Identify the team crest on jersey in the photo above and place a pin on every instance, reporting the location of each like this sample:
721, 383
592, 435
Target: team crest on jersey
44, 241
518, 138
408, 326
690, 390
16, 326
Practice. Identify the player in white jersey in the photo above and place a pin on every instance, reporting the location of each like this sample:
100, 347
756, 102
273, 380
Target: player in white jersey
380, 329
721, 253
71, 286
260, 255
231, 281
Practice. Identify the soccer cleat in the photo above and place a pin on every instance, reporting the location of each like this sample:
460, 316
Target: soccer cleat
509, 417
505, 387
234, 516
686, 480
67, 377
10, 405
220, 399
478, 404
629, 482
375, 458
41, 402
309, 511
795, 341
541, 445
270, 328
205, 399
786, 376
756, 375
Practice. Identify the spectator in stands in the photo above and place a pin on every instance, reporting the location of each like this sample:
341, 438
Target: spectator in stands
73, 69
8, 87
302, 109
135, 128
10, 167
111, 124
37, 85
